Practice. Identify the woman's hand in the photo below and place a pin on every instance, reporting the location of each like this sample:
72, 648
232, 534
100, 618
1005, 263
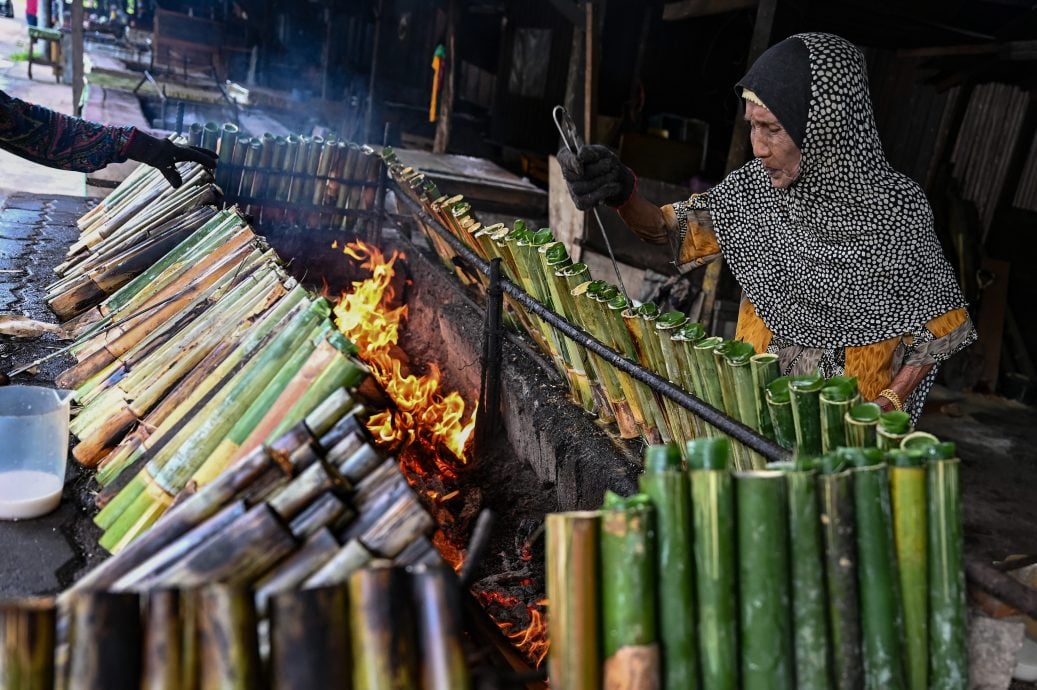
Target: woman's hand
595, 175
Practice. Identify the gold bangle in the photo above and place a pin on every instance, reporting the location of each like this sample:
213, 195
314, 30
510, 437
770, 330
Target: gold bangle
892, 396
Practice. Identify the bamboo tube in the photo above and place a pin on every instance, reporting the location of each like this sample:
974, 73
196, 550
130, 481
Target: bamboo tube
317, 550
382, 630
768, 661
309, 639
684, 339
861, 423
239, 555
349, 559
104, 646
893, 426
27, 636
919, 441
638, 323
194, 134
706, 366
713, 517
401, 524
228, 136
164, 650
228, 643
326, 511
908, 496
666, 484
572, 579
440, 630
628, 601
736, 362
879, 591
764, 370
836, 400
805, 395
806, 560
310, 483
210, 135
948, 648
727, 388
665, 326
835, 491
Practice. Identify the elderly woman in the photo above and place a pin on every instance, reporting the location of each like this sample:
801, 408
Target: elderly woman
835, 252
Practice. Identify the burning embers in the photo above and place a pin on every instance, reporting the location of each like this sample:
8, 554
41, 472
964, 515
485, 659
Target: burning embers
430, 432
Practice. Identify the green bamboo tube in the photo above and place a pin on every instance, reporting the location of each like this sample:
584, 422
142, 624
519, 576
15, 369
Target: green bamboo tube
665, 326
628, 584
767, 662
879, 590
624, 344
779, 405
382, 629
861, 423
765, 369
234, 175
707, 371
805, 393
893, 426
723, 375
713, 520
684, 339
948, 648
228, 136
835, 493
640, 324
918, 441
666, 483
602, 316
736, 362
27, 636
572, 580
809, 607
294, 148
210, 135
837, 397
907, 493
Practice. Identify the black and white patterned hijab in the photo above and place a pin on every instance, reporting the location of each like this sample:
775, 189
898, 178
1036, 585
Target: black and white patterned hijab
847, 255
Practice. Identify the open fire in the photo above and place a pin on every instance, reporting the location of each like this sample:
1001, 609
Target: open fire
430, 434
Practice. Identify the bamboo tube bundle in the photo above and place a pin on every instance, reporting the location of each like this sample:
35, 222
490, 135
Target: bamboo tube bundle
666, 483
27, 636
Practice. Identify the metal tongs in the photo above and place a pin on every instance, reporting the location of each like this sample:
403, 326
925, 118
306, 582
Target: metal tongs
572, 140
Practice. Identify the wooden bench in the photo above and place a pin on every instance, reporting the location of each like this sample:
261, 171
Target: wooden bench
50, 37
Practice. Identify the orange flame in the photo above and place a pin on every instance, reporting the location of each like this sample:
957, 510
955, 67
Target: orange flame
366, 317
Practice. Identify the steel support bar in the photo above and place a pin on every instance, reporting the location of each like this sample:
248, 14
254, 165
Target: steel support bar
705, 411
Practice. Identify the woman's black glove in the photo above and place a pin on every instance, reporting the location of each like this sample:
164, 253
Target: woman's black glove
596, 175
164, 155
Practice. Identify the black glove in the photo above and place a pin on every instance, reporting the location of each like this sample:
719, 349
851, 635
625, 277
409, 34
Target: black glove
596, 175
164, 155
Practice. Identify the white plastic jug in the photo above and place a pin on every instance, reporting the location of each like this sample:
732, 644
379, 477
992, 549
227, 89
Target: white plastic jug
33, 449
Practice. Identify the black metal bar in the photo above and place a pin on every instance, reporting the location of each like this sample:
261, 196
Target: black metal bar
180, 117
700, 408
488, 420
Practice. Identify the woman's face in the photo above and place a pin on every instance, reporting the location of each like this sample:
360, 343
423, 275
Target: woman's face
772, 145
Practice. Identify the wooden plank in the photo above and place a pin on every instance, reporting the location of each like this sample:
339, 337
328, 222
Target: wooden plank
992, 320
686, 9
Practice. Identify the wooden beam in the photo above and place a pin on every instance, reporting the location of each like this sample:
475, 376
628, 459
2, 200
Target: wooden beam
594, 12
991, 326
446, 102
686, 9
77, 58
372, 80
569, 10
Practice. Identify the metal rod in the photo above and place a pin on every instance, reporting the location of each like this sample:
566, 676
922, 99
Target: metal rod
703, 410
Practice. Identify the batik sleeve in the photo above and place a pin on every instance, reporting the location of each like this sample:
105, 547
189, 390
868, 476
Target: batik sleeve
940, 338
59, 141
693, 227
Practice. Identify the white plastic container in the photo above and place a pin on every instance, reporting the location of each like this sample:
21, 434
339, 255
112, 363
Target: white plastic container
33, 449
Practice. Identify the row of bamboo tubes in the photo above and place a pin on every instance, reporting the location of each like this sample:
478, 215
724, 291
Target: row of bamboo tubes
841, 572
383, 626
294, 180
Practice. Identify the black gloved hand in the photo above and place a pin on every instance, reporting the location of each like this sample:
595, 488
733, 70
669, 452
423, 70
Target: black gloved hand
596, 175
164, 155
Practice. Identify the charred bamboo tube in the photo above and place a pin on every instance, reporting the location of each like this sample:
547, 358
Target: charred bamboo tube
440, 629
837, 397
326, 511
349, 559
194, 134
948, 649
228, 644
805, 393
713, 518
309, 639
768, 661
835, 490
861, 423
879, 589
572, 578
27, 637
164, 659
318, 549
104, 650
405, 521
666, 483
627, 593
765, 369
806, 556
382, 630
893, 426
907, 492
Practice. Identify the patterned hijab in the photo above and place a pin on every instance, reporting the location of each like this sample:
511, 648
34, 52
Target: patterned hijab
847, 255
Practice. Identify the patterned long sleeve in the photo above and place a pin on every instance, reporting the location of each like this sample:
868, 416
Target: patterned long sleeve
59, 141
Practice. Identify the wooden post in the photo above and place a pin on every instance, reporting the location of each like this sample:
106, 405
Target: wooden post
371, 83
594, 20
992, 320
736, 154
446, 102
77, 57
